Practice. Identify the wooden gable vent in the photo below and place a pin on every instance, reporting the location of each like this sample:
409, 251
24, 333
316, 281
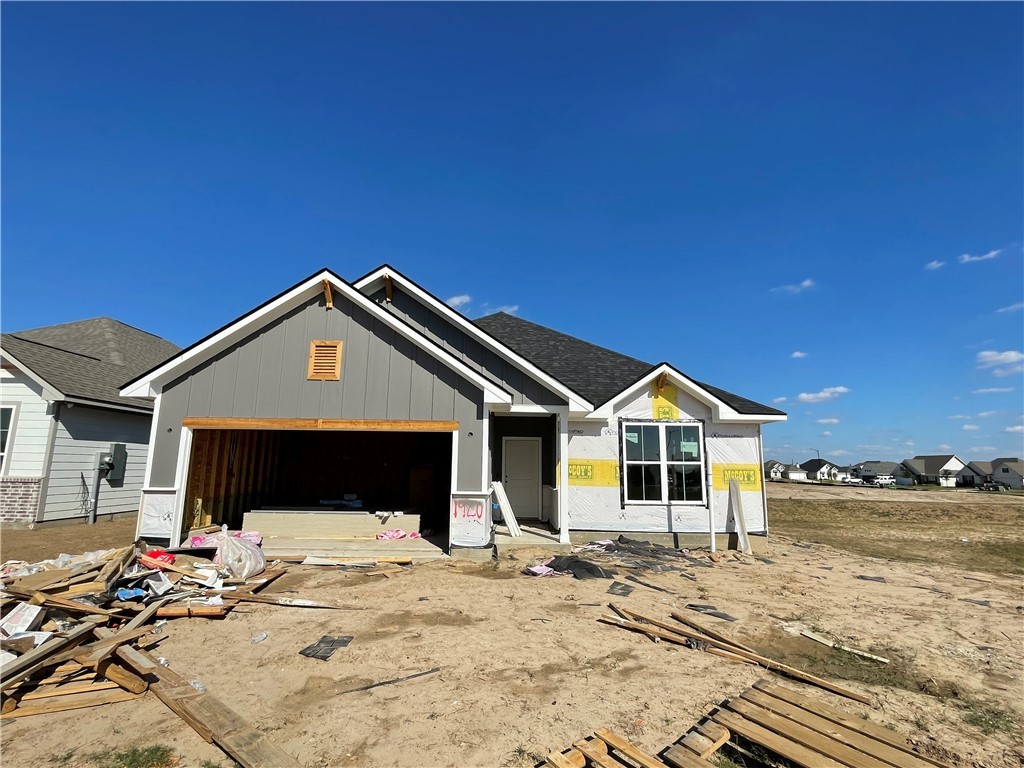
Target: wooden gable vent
324, 361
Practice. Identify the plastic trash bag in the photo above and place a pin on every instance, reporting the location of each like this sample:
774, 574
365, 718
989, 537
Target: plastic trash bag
243, 558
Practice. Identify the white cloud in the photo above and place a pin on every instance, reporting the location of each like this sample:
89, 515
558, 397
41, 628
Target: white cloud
840, 452
945, 447
1012, 308
458, 301
986, 414
971, 427
828, 421
1016, 428
800, 287
989, 358
509, 309
966, 258
935, 265
798, 355
780, 399
828, 393
983, 448
959, 416
1001, 372
826, 433
991, 390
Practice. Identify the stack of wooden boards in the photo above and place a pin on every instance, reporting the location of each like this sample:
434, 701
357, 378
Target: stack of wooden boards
292, 535
806, 732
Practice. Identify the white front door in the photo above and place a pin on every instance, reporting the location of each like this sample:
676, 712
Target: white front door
520, 474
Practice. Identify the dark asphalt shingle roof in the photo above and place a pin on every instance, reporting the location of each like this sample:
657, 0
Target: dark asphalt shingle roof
928, 466
815, 464
595, 372
89, 359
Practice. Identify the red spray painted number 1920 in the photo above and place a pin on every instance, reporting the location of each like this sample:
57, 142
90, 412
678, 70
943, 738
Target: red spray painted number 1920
469, 511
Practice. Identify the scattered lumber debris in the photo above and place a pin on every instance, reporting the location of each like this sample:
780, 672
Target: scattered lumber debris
605, 749
807, 732
818, 638
394, 680
700, 640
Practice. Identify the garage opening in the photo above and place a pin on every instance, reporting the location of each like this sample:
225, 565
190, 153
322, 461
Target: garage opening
349, 473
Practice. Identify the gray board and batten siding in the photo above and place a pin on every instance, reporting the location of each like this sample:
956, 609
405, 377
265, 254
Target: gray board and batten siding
524, 389
383, 376
81, 433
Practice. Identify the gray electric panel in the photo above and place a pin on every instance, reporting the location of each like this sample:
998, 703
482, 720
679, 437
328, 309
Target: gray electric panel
120, 458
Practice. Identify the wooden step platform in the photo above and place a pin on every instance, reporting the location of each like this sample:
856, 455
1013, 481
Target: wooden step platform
804, 731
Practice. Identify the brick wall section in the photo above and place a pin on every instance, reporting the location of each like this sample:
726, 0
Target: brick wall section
19, 500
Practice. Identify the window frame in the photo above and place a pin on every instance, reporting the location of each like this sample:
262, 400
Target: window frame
662, 462
5, 450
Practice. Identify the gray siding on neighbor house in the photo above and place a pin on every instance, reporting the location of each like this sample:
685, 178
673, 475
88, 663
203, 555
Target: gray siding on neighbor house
82, 432
383, 376
524, 389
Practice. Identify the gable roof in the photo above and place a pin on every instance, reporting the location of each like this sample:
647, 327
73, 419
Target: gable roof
773, 464
1011, 462
877, 467
150, 383
597, 373
385, 272
815, 464
929, 466
87, 360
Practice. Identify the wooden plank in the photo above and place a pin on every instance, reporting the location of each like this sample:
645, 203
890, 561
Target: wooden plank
838, 733
122, 677
597, 756
619, 744
693, 624
716, 733
797, 753
217, 723
677, 757
801, 734
131, 657
852, 722
698, 743
83, 653
76, 701
572, 759
358, 425
65, 690
39, 657
832, 644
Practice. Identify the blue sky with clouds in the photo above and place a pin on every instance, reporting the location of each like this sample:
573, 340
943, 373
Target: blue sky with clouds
815, 205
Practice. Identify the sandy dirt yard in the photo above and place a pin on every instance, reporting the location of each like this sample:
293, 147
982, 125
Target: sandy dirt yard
525, 667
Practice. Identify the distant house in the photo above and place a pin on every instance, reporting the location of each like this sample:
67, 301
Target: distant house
935, 470
794, 472
773, 470
1009, 472
60, 409
974, 474
868, 471
843, 473
819, 469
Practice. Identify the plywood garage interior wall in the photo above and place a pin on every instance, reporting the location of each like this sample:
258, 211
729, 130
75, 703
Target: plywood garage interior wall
232, 472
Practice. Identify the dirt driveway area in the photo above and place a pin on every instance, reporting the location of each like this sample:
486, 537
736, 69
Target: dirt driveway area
525, 668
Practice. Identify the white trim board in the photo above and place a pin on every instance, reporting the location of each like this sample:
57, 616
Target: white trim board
722, 411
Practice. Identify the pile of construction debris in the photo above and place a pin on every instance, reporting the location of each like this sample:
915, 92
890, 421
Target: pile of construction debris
77, 632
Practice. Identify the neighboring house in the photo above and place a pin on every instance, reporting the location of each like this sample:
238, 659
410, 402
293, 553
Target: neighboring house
868, 471
819, 469
773, 470
843, 473
378, 390
794, 472
975, 473
1009, 472
60, 407
935, 470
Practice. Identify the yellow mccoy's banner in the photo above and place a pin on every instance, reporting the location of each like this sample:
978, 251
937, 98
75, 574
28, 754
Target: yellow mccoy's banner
664, 402
748, 475
594, 472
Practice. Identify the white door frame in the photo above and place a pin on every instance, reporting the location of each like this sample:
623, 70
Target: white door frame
540, 470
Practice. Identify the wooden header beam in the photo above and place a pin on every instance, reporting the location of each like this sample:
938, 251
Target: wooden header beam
351, 425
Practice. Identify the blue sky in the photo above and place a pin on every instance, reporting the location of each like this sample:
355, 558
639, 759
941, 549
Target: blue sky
814, 205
